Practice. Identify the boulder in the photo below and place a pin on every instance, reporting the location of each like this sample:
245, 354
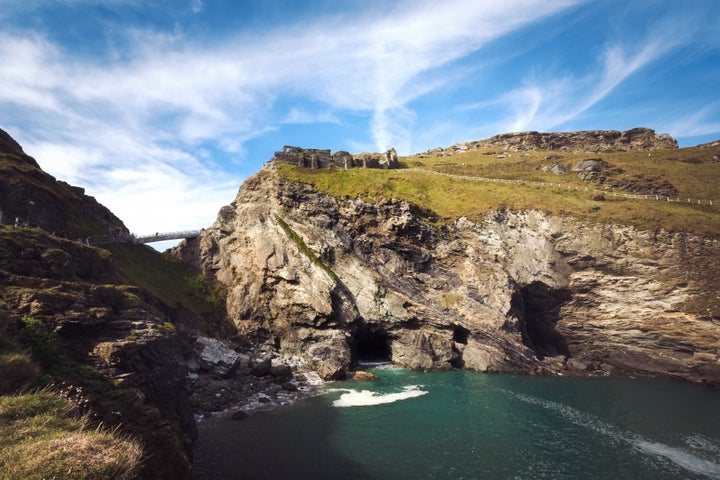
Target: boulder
362, 376
216, 357
590, 165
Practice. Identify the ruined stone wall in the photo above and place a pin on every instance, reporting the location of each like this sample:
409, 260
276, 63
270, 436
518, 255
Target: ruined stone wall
314, 158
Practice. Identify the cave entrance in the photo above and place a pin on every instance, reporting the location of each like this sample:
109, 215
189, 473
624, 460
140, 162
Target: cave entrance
372, 346
542, 310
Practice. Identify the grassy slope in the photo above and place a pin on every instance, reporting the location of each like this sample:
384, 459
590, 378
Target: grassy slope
177, 285
41, 437
451, 197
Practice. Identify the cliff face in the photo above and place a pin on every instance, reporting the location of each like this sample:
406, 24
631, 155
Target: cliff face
326, 282
31, 197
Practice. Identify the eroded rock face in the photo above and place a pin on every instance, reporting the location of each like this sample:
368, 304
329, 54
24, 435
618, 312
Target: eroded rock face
320, 279
325, 282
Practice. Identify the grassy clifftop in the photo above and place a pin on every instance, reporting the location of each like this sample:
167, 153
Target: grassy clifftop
460, 185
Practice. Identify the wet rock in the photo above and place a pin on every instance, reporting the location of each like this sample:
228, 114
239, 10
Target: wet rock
239, 415
261, 368
289, 387
281, 371
362, 376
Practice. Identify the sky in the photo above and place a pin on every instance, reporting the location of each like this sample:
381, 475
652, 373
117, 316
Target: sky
161, 109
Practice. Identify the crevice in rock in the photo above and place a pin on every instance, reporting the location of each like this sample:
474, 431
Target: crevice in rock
542, 305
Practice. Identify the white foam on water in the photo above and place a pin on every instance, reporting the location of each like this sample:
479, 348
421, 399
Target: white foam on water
363, 398
681, 458
701, 442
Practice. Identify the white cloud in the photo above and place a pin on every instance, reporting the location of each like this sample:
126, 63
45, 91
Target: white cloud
123, 127
695, 124
296, 115
197, 6
544, 105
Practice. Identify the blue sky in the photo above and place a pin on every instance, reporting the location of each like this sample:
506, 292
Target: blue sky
160, 109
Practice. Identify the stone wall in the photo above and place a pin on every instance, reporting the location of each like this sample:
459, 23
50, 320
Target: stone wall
316, 158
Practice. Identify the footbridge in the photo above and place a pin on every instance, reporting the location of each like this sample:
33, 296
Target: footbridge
160, 237
140, 239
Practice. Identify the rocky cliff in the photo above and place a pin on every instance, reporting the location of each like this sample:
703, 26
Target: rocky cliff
30, 197
582, 141
84, 321
325, 282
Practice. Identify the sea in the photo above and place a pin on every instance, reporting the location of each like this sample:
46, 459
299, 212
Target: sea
466, 425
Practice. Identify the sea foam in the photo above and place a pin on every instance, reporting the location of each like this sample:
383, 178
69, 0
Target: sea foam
680, 458
362, 398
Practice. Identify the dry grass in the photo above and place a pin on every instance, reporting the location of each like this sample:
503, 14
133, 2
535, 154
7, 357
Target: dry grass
42, 437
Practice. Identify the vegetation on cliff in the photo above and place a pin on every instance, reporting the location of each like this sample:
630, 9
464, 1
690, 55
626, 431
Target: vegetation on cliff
689, 173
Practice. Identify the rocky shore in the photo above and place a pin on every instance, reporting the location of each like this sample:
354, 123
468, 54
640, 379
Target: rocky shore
222, 381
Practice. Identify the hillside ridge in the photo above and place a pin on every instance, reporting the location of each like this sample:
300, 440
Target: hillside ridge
595, 141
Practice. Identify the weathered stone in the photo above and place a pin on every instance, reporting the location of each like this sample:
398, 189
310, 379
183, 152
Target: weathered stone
556, 168
590, 165
216, 357
289, 387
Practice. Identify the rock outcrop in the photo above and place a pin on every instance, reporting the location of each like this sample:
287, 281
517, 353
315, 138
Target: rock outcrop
31, 197
582, 141
324, 282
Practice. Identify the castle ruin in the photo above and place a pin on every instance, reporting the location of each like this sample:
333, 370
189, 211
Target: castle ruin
315, 158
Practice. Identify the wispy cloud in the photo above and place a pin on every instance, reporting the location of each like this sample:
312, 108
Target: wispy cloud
197, 6
131, 127
695, 124
297, 115
560, 99
546, 105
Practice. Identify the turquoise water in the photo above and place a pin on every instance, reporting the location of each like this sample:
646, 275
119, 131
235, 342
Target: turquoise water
466, 425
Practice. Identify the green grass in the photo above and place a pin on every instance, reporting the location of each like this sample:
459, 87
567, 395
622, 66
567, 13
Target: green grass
17, 368
302, 246
451, 198
172, 282
177, 285
42, 437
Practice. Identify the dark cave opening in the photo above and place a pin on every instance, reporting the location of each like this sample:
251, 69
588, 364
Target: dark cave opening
542, 305
372, 346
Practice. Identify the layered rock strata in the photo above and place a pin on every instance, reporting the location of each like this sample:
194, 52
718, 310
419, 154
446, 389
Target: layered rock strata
325, 282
